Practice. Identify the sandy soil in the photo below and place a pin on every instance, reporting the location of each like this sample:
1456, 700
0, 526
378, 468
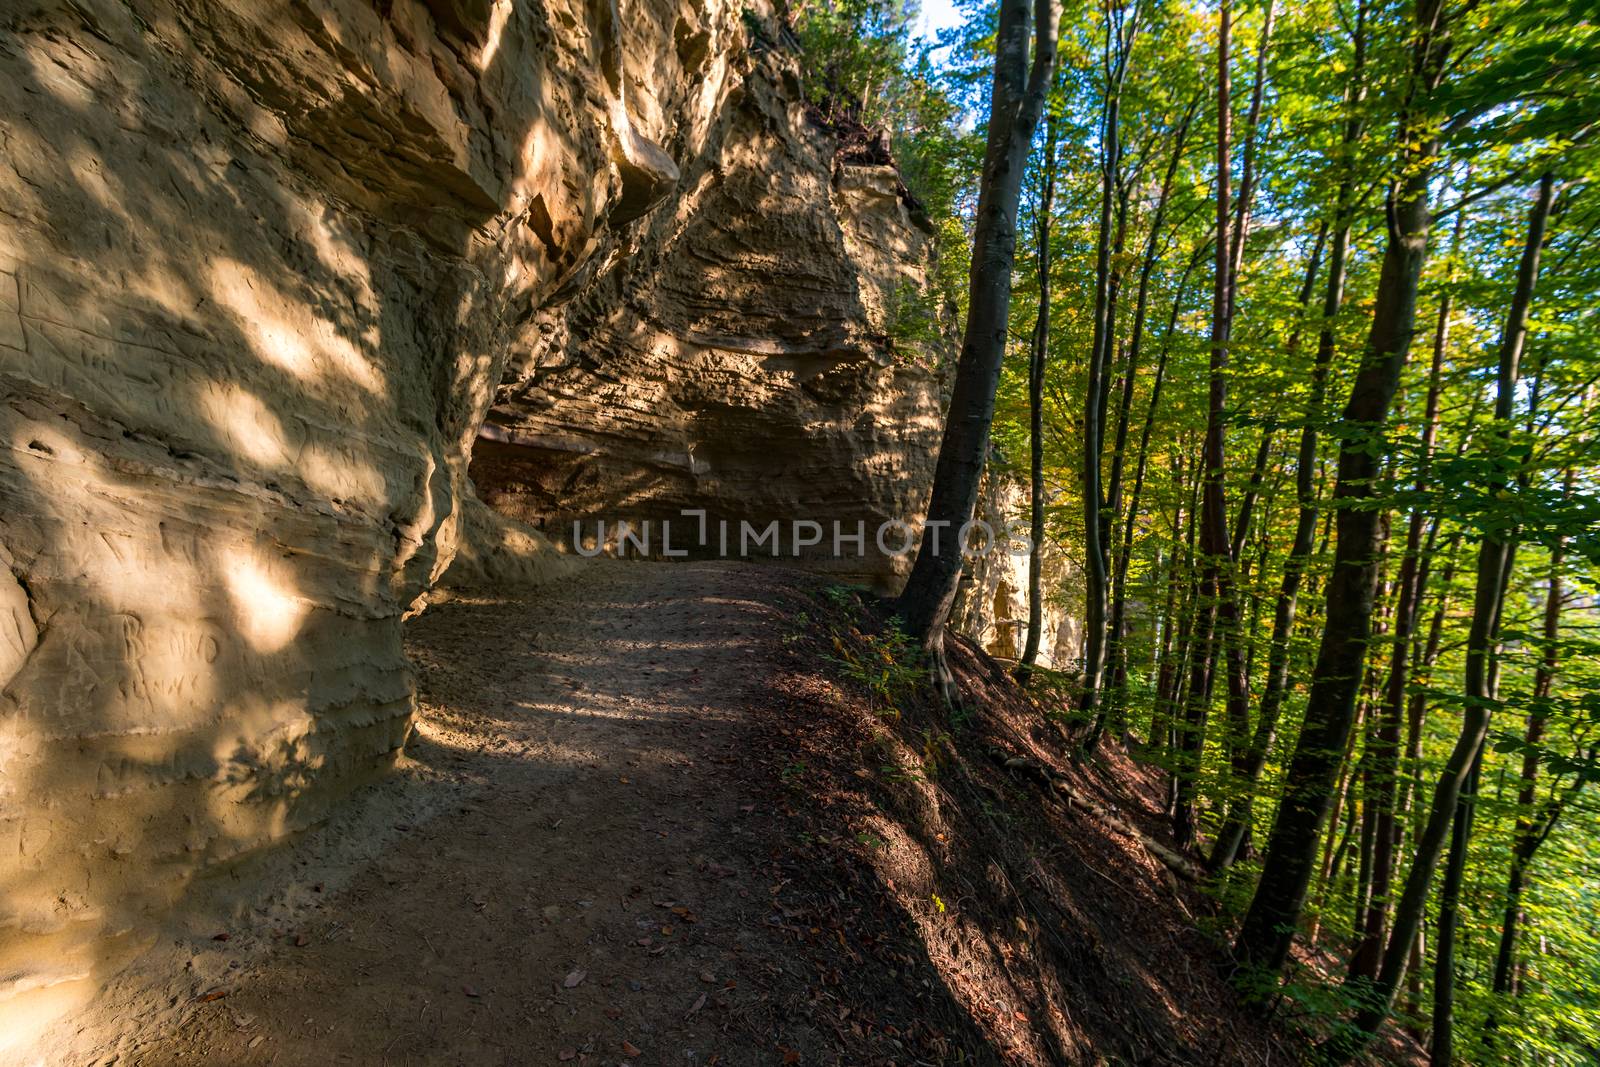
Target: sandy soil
591, 893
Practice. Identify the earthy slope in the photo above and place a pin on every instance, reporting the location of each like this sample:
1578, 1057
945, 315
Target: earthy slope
664, 831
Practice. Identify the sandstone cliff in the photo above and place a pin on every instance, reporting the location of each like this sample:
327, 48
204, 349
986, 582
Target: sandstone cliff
992, 601
266, 268
765, 351
261, 268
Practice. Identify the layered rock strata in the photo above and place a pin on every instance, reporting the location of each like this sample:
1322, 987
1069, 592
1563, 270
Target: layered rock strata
768, 353
262, 268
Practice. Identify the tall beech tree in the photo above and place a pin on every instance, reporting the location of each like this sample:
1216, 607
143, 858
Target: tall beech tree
1272, 514
1121, 30
1494, 564
1025, 54
1250, 754
1038, 354
1215, 607
1268, 927
1535, 819
1154, 243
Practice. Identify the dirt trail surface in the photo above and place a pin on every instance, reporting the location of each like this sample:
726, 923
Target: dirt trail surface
591, 895
683, 814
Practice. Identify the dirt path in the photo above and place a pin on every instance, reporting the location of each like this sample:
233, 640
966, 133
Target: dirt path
594, 896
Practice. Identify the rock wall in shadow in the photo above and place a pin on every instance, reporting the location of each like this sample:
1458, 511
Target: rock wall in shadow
768, 351
262, 264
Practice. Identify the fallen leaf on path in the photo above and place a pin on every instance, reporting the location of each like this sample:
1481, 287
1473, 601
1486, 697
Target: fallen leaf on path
571, 981
567, 1054
470, 990
301, 940
699, 1003
629, 1051
215, 994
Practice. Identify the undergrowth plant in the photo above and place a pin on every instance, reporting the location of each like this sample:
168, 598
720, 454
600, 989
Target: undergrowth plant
887, 664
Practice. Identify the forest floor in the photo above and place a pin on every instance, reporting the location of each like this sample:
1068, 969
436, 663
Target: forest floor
658, 827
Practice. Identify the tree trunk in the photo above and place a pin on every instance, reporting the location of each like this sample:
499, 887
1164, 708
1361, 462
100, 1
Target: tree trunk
1441, 1043
1252, 757
1036, 361
1214, 545
1494, 556
1184, 653
1115, 656
1528, 836
1385, 750
1427, 652
1119, 34
1332, 856
1161, 717
1247, 172
1017, 100
1268, 928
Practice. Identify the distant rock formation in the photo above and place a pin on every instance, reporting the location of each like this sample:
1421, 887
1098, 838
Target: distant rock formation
992, 600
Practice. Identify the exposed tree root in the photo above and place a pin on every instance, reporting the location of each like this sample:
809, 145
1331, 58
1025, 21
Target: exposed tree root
1174, 861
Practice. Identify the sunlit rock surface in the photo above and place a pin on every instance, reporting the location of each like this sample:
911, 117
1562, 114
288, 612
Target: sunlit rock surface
992, 602
262, 266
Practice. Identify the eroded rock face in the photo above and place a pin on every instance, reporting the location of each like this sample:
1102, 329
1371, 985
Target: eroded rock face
992, 601
764, 353
261, 267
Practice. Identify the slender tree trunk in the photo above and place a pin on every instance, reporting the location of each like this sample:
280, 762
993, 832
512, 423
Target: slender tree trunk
1427, 652
1493, 558
1036, 361
1184, 675
1114, 640
1214, 544
1331, 856
1441, 1045
1268, 928
1247, 172
1230, 634
1237, 822
1442, 1040
1251, 757
1119, 33
1385, 750
1017, 100
1191, 726
1171, 643
1264, 546
1528, 836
